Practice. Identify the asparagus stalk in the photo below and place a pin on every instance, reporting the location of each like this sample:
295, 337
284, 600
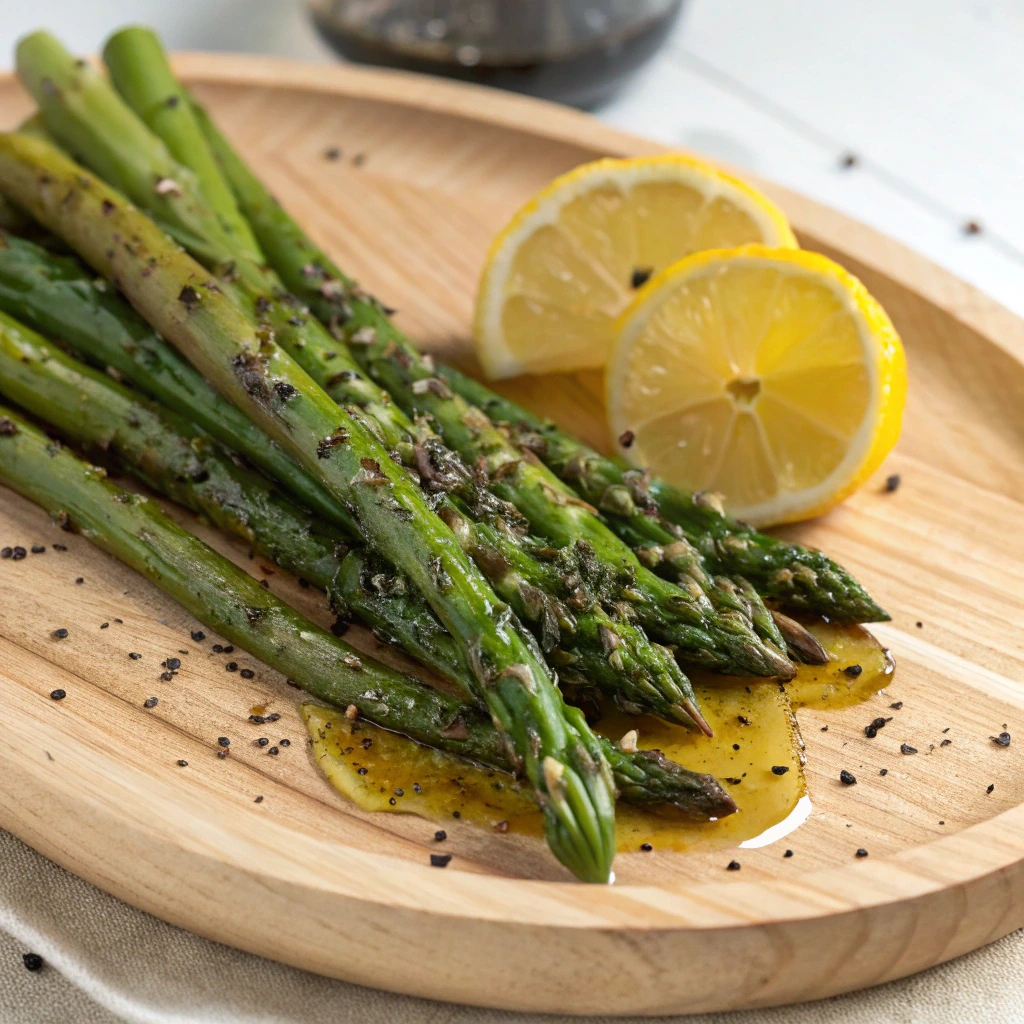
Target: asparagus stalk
143, 77
338, 301
793, 576
57, 296
551, 743
229, 601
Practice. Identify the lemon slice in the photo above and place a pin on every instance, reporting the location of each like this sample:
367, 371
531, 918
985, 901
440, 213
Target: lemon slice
570, 260
770, 376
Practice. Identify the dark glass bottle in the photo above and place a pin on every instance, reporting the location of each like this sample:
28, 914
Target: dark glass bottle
573, 51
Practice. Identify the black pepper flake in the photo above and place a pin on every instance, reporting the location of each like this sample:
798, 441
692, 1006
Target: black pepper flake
780, 769
19, 553
273, 717
339, 627
217, 649
852, 671
6, 552
198, 635
733, 865
362, 771
60, 634
32, 961
870, 731
183, 764
38, 549
104, 625
640, 276
848, 160
883, 771
972, 227
892, 483
223, 753
440, 836
990, 787
223, 741
359, 159
120, 622
59, 547
440, 860
897, 705
945, 743
626, 438
288, 743
333, 153
274, 751
284, 389
262, 741
228, 649
392, 801
258, 800
1002, 740
172, 663
862, 852
847, 778
247, 673
150, 702
80, 580
57, 694
906, 748
920, 625
735, 746
134, 655
788, 853
231, 666
166, 676
188, 297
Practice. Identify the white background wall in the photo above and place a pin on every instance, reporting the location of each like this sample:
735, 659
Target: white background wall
928, 93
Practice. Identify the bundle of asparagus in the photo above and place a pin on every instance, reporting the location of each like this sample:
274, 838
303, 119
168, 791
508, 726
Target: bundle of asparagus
423, 504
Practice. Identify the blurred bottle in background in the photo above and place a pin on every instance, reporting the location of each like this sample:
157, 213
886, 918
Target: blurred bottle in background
573, 51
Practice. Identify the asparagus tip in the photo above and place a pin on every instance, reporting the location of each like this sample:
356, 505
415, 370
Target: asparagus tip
696, 717
800, 641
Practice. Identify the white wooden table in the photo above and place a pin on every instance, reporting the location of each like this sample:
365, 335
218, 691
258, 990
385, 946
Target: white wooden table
926, 94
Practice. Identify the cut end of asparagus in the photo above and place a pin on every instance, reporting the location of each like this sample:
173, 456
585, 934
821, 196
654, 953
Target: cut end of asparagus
802, 644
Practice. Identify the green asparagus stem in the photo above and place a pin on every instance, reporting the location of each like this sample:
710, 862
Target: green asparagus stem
138, 68
229, 601
59, 297
782, 571
794, 576
177, 460
552, 743
545, 502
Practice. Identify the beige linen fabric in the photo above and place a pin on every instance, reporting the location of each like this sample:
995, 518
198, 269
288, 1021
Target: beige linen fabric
107, 963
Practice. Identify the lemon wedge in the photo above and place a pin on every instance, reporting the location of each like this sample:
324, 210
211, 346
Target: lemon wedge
769, 376
570, 260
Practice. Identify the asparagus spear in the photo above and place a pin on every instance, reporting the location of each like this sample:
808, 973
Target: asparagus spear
58, 296
551, 743
145, 80
229, 601
69, 93
794, 576
336, 298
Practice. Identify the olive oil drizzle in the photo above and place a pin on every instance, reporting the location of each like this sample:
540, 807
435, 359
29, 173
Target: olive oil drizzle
756, 752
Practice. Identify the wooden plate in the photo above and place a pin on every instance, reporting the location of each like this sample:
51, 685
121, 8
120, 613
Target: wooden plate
428, 172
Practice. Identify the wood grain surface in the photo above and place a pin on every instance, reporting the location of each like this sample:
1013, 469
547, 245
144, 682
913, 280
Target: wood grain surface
428, 172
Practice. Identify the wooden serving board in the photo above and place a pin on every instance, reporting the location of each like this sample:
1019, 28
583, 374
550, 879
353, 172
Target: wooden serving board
428, 172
